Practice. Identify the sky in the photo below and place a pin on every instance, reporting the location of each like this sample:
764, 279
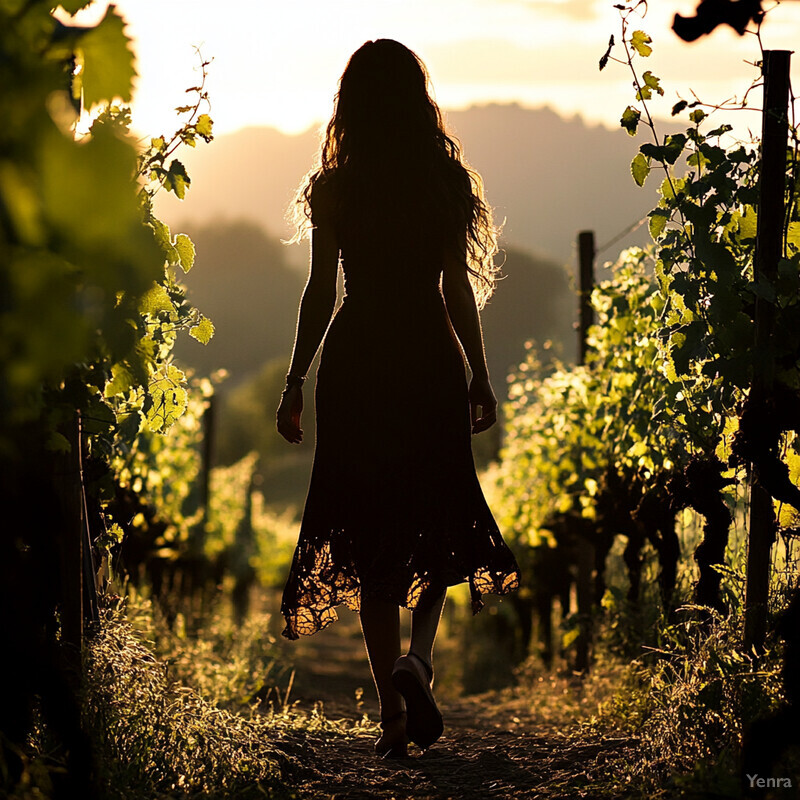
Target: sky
277, 62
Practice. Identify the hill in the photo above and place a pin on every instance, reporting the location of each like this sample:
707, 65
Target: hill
243, 282
546, 175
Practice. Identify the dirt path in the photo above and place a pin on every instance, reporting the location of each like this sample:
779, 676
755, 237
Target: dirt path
492, 747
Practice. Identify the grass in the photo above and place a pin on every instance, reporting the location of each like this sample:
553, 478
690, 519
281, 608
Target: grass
200, 716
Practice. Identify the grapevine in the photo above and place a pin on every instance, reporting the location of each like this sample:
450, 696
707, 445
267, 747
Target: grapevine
660, 417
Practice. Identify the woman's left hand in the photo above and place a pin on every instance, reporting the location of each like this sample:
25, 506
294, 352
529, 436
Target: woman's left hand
481, 395
289, 413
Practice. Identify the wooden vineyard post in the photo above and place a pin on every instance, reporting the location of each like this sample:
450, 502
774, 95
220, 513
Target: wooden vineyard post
586, 254
583, 587
197, 534
70, 537
769, 249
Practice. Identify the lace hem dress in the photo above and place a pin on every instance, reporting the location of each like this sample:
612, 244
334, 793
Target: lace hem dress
394, 508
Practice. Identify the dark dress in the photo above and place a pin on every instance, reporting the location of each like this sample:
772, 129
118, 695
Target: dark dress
394, 509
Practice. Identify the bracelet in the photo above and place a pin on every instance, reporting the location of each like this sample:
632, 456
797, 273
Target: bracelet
295, 380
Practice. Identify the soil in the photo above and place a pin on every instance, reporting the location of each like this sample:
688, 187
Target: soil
493, 745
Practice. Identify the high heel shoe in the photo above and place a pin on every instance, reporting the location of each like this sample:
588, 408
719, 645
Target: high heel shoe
398, 749
424, 724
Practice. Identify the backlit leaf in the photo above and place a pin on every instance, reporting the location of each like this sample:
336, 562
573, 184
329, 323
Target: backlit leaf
658, 221
630, 120
169, 398
185, 250
156, 301
108, 61
121, 381
649, 84
640, 168
640, 43
203, 331
176, 179
203, 126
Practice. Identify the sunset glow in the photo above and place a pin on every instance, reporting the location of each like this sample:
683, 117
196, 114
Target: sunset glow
277, 63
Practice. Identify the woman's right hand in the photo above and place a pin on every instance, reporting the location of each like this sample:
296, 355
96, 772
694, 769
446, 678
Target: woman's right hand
289, 412
481, 395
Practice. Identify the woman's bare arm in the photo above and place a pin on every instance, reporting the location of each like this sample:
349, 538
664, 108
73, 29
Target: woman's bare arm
314, 316
318, 300
463, 312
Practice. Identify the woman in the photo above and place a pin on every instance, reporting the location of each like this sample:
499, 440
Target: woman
394, 513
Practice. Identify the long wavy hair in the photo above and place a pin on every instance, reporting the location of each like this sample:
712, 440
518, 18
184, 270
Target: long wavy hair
386, 123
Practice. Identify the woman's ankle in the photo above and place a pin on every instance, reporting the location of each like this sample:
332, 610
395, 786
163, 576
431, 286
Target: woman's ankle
427, 662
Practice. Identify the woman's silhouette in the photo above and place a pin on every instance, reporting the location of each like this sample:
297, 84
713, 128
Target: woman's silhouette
394, 513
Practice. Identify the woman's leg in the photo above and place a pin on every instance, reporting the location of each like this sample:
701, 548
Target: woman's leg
380, 623
424, 625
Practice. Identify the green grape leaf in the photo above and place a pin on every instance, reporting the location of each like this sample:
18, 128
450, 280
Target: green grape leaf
164, 240
650, 84
640, 42
668, 152
97, 416
640, 168
673, 147
121, 381
176, 180
697, 159
130, 424
658, 221
671, 187
630, 120
169, 398
204, 126
108, 61
748, 223
697, 116
185, 250
156, 301
203, 331
719, 131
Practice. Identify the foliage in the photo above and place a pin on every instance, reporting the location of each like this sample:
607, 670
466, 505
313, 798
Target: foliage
153, 734
92, 297
662, 419
230, 666
93, 302
570, 424
251, 538
658, 419
91, 306
207, 715
156, 483
704, 688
